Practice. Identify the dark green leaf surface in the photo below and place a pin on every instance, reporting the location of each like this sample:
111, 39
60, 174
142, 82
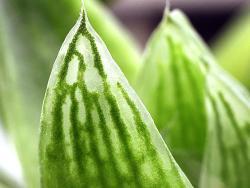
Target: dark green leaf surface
95, 132
176, 83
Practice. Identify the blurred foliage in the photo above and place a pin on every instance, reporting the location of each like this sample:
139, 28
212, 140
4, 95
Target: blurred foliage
7, 182
232, 48
31, 34
194, 107
8, 177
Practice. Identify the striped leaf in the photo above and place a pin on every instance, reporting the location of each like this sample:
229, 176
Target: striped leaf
95, 132
171, 84
227, 155
31, 33
177, 82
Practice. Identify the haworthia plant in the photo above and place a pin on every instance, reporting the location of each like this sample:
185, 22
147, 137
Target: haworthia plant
30, 35
176, 83
95, 132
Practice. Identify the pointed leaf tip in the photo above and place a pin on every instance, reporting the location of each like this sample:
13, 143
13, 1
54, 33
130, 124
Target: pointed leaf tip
95, 132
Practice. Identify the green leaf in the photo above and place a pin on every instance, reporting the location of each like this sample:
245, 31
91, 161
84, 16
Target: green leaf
30, 35
95, 132
177, 79
24, 73
227, 155
171, 84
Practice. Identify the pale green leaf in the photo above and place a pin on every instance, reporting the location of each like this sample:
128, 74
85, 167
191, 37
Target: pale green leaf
30, 36
232, 47
177, 83
95, 132
171, 84
227, 155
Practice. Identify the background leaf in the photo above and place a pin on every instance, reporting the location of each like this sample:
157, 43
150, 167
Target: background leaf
227, 155
232, 47
171, 85
177, 79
